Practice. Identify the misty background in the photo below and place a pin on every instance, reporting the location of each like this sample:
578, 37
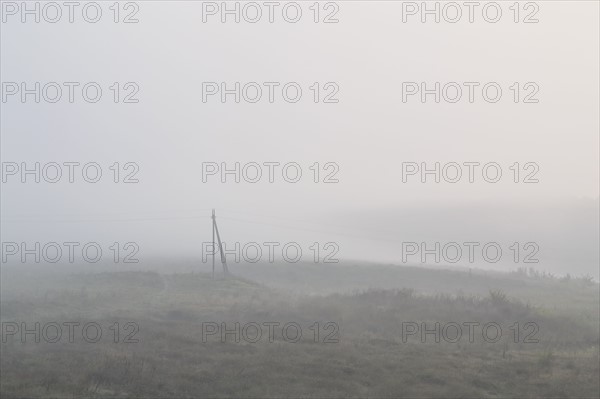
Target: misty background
369, 133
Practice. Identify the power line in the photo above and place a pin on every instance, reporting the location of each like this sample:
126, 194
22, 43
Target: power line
234, 219
102, 220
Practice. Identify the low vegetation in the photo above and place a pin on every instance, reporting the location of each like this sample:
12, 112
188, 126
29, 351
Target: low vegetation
369, 349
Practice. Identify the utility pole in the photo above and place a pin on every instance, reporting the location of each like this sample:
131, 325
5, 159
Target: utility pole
223, 260
213, 246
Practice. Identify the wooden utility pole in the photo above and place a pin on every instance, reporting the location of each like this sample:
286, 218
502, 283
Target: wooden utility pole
223, 260
213, 246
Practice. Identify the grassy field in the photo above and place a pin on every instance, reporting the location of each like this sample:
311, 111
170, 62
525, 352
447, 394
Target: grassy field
362, 344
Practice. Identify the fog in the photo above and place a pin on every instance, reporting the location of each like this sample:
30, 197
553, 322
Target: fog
363, 146
368, 134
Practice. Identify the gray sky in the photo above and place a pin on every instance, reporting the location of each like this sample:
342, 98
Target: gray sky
369, 133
